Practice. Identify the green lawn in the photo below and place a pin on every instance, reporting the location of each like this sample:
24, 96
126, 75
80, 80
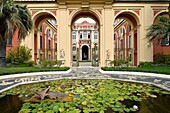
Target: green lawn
16, 70
150, 69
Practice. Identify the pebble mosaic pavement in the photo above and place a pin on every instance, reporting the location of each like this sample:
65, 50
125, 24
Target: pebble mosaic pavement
86, 72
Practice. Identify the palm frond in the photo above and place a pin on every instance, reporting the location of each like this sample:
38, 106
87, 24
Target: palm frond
158, 31
14, 16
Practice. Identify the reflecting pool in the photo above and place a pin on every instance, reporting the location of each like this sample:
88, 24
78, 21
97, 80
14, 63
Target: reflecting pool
89, 96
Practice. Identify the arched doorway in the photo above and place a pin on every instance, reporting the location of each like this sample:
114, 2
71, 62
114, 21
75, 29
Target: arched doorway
85, 35
45, 36
85, 53
126, 37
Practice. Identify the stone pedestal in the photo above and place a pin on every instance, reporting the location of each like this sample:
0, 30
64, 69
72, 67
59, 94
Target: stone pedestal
63, 62
108, 63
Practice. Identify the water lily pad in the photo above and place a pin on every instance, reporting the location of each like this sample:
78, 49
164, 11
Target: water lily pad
84, 103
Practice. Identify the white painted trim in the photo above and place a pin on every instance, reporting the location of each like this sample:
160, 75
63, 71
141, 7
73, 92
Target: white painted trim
34, 74
135, 73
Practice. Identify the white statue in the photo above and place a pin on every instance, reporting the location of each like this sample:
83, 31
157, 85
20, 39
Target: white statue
62, 54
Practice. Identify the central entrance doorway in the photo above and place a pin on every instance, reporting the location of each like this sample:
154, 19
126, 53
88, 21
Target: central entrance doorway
85, 53
85, 36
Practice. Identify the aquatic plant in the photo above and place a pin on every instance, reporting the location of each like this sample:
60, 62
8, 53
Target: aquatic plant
89, 96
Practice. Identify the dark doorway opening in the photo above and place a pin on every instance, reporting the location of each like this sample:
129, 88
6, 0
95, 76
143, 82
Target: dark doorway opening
85, 53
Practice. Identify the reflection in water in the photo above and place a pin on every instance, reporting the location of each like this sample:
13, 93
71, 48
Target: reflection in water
10, 104
161, 104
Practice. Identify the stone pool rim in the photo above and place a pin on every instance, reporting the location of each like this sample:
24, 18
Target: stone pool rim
105, 75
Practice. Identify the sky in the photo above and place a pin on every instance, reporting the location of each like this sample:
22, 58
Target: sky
87, 19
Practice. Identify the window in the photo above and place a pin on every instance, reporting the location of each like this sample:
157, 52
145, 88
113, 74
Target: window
49, 57
121, 56
130, 57
74, 35
56, 46
95, 35
115, 36
81, 36
55, 37
41, 56
40, 28
120, 43
129, 41
49, 43
115, 22
165, 41
122, 31
89, 35
130, 28
114, 46
74, 58
74, 48
9, 41
49, 33
85, 35
119, 32
40, 42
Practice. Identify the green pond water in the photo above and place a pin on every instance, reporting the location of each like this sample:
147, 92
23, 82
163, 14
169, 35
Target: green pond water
93, 96
161, 104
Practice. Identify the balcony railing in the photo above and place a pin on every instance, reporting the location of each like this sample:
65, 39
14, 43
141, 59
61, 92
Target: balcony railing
47, 53
123, 53
123, 49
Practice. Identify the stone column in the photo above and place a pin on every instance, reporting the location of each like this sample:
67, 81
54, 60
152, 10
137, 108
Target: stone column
64, 33
107, 44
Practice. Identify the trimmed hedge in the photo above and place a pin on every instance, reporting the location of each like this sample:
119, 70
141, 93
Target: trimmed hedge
151, 69
16, 70
161, 58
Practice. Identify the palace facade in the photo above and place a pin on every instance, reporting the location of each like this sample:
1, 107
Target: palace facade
84, 37
118, 32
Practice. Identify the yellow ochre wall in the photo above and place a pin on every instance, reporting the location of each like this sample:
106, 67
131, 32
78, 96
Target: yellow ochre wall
106, 11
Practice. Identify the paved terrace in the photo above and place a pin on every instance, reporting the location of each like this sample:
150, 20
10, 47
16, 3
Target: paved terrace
85, 72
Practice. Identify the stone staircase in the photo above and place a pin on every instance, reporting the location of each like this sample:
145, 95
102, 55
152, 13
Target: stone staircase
86, 64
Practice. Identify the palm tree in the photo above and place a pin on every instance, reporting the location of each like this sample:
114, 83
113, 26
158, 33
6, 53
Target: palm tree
12, 16
157, 32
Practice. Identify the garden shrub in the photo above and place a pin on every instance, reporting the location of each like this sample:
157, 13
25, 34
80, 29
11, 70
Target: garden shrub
44, 63
120, 62
161, 58
27, 64
8, 60
19, 55
30, 63
50, 63
145, 64
58, 63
